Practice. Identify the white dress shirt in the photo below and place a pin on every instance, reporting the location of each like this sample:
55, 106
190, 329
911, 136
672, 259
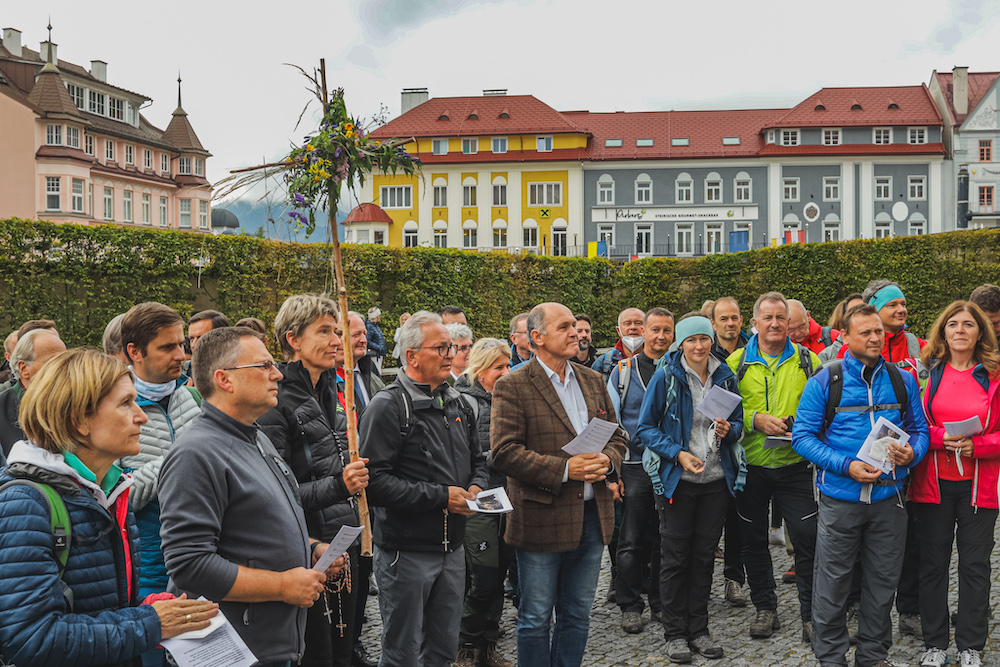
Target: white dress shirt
571, 396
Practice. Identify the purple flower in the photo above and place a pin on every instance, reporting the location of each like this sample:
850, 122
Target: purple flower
299, 200
336, 153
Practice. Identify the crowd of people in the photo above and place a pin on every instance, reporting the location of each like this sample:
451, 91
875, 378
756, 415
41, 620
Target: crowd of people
173, 476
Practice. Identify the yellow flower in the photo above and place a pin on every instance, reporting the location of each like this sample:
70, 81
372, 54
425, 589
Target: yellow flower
310, 147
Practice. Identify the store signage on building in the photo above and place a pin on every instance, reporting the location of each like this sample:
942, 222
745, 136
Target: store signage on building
675, 213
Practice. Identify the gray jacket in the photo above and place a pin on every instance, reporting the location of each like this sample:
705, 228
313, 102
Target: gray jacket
227, 499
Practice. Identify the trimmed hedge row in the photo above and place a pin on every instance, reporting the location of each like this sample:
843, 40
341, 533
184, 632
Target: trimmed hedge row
83, 276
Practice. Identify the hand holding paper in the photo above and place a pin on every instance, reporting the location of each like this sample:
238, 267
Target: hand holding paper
592, 439
338, 546
719, 403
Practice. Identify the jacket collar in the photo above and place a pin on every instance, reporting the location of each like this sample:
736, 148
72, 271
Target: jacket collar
980, 373
228, 424
852, 365
28, 454
423, 395
753, 355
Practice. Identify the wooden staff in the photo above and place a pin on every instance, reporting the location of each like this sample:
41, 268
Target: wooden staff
338, 271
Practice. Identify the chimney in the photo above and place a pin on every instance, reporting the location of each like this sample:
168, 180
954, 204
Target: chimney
960, 98
43, 51
494, 92
413, 97
99, 70
12, 41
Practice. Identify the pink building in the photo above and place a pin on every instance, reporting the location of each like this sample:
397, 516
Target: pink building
76, 148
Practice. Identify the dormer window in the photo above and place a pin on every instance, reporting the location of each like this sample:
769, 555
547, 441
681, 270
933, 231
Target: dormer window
789, 137
855, 107
116, 108
612, 143
473, 116
893, 105
504, 114
184, 165
819, 107
444, 116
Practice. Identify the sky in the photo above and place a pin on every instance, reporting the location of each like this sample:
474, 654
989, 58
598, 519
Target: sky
630, 55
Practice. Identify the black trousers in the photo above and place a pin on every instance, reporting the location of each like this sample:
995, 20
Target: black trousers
638, 541
364, 572
734, 546
791, 488
908, 593
690, 526
324, 643
936, 525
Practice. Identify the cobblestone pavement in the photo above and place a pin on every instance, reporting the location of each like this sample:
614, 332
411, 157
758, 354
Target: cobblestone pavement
609, 646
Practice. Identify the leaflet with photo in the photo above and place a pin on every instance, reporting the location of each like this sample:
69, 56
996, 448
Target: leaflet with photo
875, 449
491, 501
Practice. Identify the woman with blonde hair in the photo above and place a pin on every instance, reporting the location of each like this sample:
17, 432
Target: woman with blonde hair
75, 601
489, 360
956, 483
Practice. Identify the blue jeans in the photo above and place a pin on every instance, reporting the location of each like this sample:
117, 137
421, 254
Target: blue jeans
567, 582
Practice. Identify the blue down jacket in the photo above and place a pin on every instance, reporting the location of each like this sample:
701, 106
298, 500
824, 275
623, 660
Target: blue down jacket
36, 628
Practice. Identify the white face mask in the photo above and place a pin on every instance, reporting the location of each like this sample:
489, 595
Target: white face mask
633, 343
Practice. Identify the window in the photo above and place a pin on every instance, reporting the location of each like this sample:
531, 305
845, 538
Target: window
770, 136
831, 137
645, 143
379, 237
883, 230
713, 237
986, 150
882, 136
199, 167
499, 144
831, 231
164, 162
470, 146
544, 144
361, 236
500, 237
409, 238
203, 216
147, 206
116, 108
397, 196
831, 188
883, 187
147, 158
53, 135
530, 237
789, 137
559, 242
97, 103
499, 195
439, 146
469, 238
109, 150
606, 192
915, 185
685, 239
917, 228
129, 154
790, 189
643, 192
985, 198
76, 93
127, 206
163, 211
612, 143
684, 188
88, 144
72, 136
545, 194
109, 203
184, 165
743, 189
78, 195
680, 141
606, 233
440, 196
469, 195
131, 114
644, 239
713, 191
185, 210
53, 193
730, 141
918, 135
440, 238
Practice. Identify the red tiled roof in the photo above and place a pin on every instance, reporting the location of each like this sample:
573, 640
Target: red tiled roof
772, 150
915, 107
509, 156
979, 84
704, 131
527, 113
367, 212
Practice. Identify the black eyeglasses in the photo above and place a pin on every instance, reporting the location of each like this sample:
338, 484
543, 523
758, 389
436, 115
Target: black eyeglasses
442, 350
462, 348
266, 365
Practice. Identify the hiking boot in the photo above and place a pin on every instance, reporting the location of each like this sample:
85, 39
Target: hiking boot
969, 658
734, 593
656, 615
788, 576
706, 646
934, 657
489, 656
909, 624
764, 624
880, 663
678, 651
807, 633
632, 622
468, 656
852, 623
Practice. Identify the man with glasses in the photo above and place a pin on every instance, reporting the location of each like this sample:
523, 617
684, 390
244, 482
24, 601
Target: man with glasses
367, 378
806, 331
425, 462
461, 340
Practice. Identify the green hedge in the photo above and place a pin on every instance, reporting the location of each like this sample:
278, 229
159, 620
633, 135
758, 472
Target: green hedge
82, 276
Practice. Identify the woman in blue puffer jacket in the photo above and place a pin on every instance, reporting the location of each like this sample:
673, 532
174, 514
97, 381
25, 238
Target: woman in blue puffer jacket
80, 416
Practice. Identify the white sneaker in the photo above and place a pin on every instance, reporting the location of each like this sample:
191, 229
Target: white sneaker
934, 657
970, 658
776, 537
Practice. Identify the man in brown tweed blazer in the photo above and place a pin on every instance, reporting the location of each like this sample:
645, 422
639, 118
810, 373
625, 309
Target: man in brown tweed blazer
563, 514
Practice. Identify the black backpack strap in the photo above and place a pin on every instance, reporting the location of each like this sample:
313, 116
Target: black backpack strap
835, 389
827, 336
899, 387
805, 360
741, 369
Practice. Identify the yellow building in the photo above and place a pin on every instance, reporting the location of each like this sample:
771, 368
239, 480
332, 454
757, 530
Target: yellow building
499, 173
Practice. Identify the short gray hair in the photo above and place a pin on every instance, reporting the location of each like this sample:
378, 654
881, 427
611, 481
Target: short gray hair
411, 334
298, 312
219, 348
25, 348
796, 302
776, 297
112, 340
9, 342
536, 322
622, 314
459, 331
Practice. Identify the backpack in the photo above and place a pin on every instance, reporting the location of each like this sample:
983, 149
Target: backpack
607, 363
405, 405
826, 336
836, 391
805, 362
62, 532
624, 379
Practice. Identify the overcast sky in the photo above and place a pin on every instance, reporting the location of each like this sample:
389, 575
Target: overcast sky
633, 55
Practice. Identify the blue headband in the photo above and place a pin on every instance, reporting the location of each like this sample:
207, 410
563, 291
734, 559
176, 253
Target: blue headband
692, 326
885, 295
